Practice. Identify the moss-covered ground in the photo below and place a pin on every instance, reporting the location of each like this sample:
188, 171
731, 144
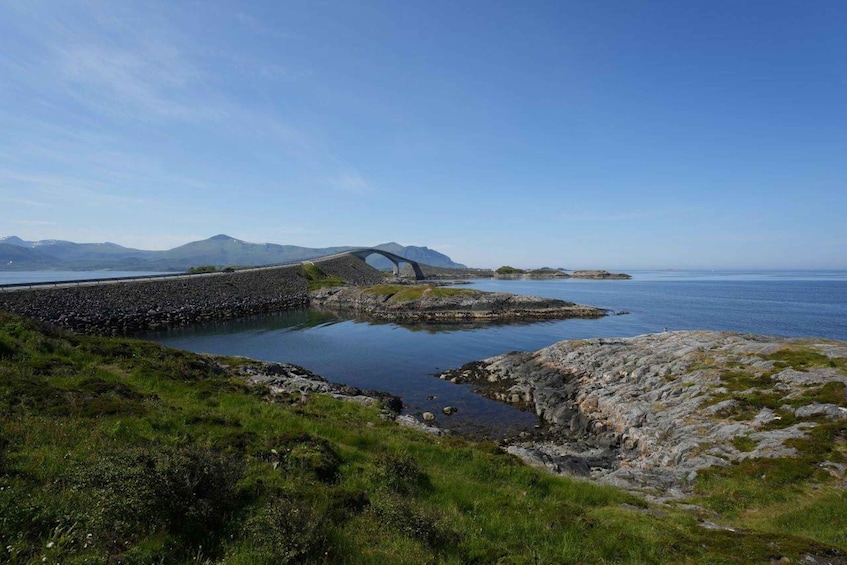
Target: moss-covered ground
121, 451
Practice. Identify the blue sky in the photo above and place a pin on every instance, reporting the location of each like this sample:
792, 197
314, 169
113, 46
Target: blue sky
610, 134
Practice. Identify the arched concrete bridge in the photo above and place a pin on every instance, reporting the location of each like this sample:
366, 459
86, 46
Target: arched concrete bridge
365, 252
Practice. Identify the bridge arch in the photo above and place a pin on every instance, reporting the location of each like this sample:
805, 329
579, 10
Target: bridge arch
394, 258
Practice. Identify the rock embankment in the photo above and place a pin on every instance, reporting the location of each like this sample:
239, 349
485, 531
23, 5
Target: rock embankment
133, 306
648, 413
129, 307
351, 270
428, 303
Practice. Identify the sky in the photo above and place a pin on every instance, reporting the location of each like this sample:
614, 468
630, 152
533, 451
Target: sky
618, 134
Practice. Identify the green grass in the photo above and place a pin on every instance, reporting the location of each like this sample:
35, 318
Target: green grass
744, 443
318, 279
754, 391
765, 493
802, 358
410, 293
114, 450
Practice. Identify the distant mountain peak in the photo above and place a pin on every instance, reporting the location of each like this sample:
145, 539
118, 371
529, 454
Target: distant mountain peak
221, 249
12, 240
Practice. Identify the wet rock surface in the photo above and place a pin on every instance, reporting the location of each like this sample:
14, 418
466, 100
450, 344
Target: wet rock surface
647, 413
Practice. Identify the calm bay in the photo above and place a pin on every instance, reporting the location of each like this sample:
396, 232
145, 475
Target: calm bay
402, 359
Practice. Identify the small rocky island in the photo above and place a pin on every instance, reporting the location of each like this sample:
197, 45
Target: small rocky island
652, 413
597, 275
431, 303
508, 272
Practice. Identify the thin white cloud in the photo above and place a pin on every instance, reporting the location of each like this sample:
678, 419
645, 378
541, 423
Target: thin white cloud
64, 188
352, 183
152, 78
257, 26
24, 202
34, 222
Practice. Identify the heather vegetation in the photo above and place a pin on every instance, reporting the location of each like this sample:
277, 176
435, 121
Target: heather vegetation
122, 451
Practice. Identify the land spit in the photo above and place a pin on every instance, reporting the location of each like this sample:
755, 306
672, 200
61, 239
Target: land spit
651, 412
429, 303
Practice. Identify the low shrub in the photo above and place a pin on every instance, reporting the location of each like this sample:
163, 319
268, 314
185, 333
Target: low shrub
186, 492
414, 520
400, 474
284, 531
305, 455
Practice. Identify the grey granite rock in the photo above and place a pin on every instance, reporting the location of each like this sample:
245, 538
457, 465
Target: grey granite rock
665, 406
829, 410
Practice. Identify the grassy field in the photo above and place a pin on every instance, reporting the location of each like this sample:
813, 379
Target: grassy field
121, 451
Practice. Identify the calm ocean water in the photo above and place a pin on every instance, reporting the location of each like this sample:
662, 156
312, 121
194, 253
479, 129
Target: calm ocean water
402, 359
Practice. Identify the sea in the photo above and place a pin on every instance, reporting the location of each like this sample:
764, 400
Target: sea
404, 359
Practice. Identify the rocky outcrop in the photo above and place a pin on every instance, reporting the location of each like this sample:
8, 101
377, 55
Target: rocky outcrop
298, 383
647, 413
292, 383
427, 303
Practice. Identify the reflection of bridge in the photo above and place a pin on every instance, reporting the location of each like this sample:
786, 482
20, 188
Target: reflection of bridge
360, 253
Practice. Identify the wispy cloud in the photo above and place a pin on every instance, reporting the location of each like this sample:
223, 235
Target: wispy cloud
257, 26
23, 202
64, 188
152, 78
34, 223
351, 182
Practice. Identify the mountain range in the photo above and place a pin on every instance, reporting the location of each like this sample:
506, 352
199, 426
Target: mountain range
221, 250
